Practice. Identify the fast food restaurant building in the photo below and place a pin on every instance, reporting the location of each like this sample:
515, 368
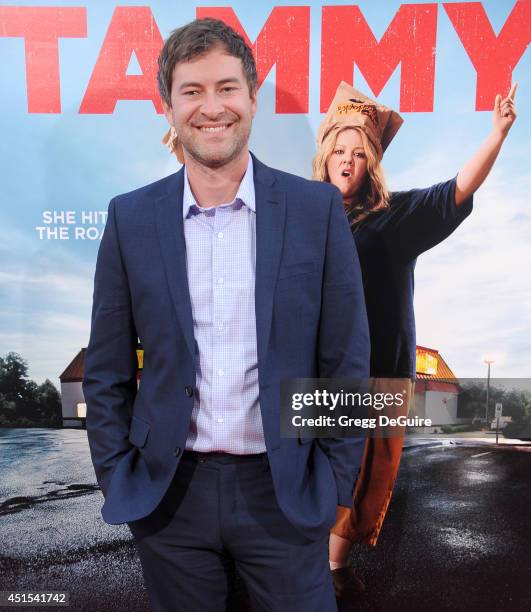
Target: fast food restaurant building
436, 390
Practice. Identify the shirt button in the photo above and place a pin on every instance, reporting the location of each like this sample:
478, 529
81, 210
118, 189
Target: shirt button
220, 327
220, 281
177, 452
220, 235
220, 372
189, 391
220, 420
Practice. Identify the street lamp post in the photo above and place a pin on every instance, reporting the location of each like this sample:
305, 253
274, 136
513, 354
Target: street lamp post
488, 362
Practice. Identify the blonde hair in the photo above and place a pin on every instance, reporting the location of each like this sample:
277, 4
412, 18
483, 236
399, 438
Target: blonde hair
373, 195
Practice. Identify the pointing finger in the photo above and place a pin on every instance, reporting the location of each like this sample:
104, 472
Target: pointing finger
513, 91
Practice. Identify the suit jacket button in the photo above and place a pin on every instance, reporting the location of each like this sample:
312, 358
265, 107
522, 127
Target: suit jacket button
189, 391
177, 452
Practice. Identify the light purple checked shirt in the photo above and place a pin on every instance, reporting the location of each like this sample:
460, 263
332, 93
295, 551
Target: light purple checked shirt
221, 265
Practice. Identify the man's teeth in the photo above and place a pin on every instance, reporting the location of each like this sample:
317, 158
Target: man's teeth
345, 173
219, 128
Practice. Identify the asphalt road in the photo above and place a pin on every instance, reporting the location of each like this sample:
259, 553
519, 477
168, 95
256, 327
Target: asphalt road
456, 537
457, 534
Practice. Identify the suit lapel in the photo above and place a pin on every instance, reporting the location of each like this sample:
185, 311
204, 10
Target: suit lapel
270, 220
169, 219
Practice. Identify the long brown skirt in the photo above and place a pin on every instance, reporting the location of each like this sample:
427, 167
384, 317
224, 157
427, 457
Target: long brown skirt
381, 459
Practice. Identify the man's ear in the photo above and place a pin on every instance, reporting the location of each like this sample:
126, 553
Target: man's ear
167, 112
254, 102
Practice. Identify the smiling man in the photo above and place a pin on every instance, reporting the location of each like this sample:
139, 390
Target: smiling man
234, 276
213, 129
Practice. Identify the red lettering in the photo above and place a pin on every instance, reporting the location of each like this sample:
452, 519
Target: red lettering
284, 41
410, 40
493, 57
41, 27
132, 29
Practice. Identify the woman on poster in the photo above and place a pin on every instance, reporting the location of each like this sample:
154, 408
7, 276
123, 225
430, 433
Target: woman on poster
390, 231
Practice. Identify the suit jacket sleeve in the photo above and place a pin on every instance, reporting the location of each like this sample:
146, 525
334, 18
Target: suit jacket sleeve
109, 384
344, 345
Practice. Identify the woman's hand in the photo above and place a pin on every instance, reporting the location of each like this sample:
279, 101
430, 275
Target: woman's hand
504, 113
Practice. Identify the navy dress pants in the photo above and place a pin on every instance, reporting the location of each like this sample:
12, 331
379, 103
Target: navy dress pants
220, 514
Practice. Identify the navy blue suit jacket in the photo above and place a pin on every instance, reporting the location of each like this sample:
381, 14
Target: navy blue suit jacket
310, 320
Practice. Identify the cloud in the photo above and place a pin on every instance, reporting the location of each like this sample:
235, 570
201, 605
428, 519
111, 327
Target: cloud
49, 281
472, 292
46, 301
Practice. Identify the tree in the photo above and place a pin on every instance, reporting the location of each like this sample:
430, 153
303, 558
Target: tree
49, 402
13, 377
472, 400
23, 403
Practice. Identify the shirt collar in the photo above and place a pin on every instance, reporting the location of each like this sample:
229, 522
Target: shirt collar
245, 192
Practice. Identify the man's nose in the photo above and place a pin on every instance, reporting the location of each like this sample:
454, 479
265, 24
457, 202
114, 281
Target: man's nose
211, 106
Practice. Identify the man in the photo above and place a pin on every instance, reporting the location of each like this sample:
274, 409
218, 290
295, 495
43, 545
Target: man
234, 276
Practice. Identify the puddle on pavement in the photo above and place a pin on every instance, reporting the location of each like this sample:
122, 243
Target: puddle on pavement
471, 541
479, 477
19, 503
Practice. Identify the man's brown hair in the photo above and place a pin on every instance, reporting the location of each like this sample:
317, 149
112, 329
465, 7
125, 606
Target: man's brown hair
197, 38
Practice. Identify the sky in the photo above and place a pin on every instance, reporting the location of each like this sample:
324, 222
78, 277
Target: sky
472, 292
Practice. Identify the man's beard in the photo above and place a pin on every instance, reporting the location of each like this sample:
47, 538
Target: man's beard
216, 159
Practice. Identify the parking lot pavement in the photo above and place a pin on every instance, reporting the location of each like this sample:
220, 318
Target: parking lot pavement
456, 535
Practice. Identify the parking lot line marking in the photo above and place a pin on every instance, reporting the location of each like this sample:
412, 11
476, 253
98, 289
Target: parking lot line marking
480, 454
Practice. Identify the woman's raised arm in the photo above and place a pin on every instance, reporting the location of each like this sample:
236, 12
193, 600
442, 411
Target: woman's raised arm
477, 168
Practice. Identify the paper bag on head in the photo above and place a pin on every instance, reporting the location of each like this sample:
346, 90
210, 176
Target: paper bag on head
171, 140
351, 108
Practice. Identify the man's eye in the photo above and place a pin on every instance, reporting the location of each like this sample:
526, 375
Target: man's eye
228, 89
190, 92
338, 152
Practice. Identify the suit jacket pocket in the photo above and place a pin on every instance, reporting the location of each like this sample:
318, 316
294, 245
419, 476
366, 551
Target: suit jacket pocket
138, 432
297, 269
